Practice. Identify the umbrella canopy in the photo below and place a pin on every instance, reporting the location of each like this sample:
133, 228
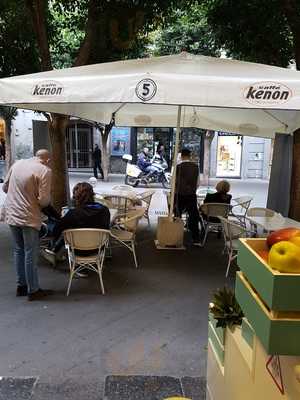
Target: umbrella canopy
215, 93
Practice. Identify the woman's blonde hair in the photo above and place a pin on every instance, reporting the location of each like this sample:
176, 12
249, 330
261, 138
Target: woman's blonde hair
223, 187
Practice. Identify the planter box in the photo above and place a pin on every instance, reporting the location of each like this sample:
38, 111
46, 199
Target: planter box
247, 332
215, 343
279, 291
279, 335
220, 332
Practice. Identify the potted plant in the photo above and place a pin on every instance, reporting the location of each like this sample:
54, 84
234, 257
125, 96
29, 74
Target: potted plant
225, 309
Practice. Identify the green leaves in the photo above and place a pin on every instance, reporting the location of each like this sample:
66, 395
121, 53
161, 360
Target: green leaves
18, 52
226, 309
252, 30
185, 29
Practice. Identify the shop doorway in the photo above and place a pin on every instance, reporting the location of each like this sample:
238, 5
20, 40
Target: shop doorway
229, 156
79, 143
152, 137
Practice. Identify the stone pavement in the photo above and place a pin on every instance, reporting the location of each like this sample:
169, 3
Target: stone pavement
151, 323
115, 387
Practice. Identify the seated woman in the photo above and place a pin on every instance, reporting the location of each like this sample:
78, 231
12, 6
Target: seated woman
85, 214
221, 195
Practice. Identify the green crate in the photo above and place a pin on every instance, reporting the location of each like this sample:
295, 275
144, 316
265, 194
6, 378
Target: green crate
279, 335
280, 291
215, 342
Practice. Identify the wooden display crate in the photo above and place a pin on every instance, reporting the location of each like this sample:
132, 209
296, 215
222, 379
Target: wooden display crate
279, 332
280, 291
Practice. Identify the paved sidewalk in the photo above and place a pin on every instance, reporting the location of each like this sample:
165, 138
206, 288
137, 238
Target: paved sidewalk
114, 387
152, 321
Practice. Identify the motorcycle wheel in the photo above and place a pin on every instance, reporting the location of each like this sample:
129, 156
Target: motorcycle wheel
131, 181
165, 183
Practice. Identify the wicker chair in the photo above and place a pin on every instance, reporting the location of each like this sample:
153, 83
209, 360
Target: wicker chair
232, 232
95, 242
146, 198
259, 212
240, 208
120, 203
210, 213
124, 229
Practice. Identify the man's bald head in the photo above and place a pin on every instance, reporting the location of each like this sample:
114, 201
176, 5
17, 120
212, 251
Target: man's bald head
43, 155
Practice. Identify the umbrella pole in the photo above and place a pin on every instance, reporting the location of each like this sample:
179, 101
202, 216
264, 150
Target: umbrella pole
173, 182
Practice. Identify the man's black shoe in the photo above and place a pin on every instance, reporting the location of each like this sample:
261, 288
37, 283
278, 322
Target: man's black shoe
40, 294
21, 291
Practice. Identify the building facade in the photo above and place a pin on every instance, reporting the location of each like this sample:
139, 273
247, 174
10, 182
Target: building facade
231, 155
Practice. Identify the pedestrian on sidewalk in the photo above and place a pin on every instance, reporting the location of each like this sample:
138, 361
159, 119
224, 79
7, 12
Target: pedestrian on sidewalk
28, 186
2, 149
97, 158
187, 182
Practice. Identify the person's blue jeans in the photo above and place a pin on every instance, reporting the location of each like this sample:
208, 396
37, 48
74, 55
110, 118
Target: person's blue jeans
26, 252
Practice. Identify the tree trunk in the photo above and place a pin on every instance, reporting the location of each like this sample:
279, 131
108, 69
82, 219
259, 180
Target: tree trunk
8, 155
295, 182
60, 179
208, 138
105, 155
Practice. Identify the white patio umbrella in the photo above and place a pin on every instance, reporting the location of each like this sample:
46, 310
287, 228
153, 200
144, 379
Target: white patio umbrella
182, 90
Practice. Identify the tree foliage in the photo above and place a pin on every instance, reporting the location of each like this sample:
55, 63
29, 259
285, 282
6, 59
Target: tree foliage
47, 34
254, 30
185, 29
18, 51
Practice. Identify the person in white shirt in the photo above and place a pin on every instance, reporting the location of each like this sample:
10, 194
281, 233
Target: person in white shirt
28, 188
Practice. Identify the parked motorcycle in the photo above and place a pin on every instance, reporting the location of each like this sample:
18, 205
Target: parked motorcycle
134, 175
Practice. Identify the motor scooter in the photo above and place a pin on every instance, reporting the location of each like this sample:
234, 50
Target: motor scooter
135, 176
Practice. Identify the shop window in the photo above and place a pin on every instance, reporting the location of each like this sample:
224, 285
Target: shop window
229, 155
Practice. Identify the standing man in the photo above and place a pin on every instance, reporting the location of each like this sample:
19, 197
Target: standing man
97, 162
187, 181
2, 149
28, 186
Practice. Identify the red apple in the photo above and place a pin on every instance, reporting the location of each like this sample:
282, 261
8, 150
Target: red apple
282, 234
296, 239
264, 254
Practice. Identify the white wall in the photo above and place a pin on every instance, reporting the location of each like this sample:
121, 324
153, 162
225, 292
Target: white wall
22, 138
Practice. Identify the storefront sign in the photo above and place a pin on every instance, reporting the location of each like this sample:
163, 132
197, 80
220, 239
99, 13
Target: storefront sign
120, 141
274, 369
47, 88
264, 93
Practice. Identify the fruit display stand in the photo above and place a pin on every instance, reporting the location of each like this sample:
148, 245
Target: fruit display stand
249, 373
261, 359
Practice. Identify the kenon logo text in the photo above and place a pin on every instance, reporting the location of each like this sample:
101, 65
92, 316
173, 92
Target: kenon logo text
49, 88
267, 93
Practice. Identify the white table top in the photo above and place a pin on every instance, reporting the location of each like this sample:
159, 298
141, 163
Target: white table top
274, 223
130, 194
